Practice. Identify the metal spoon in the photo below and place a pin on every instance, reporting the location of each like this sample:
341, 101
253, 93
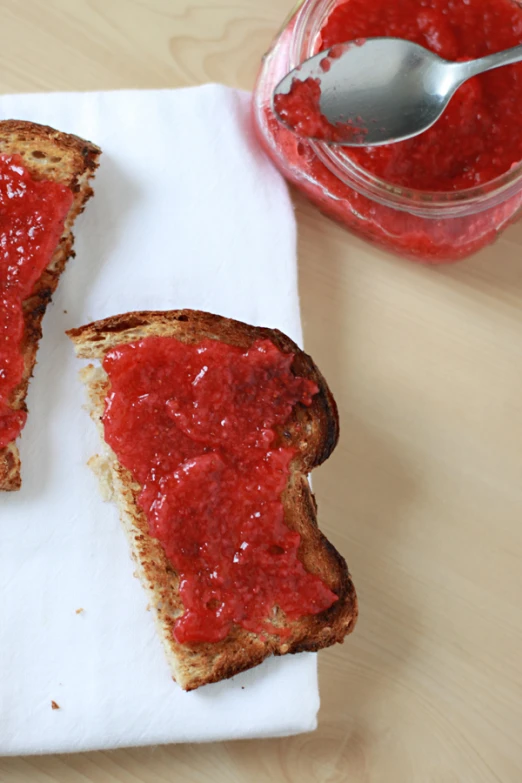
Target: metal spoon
387, 88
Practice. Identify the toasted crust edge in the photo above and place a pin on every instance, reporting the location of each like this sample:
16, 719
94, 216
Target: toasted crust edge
200, 664
77, 164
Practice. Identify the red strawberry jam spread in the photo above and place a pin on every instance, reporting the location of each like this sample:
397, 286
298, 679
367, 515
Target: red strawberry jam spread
300, 108
197, 427
32, 216
477, 140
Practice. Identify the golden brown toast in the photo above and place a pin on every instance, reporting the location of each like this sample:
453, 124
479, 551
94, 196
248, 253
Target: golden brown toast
60, 157
312, 430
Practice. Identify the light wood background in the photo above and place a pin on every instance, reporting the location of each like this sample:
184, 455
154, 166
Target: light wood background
424, 493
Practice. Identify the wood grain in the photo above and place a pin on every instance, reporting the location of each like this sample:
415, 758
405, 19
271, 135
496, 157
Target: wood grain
423, 495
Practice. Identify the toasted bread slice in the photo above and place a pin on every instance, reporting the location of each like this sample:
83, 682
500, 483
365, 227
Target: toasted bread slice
314, 432
51, 155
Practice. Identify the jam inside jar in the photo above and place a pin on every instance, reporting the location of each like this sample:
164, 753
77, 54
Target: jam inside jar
438, 197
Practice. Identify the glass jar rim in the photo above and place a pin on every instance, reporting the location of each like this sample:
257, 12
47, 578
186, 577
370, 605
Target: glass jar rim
309, 17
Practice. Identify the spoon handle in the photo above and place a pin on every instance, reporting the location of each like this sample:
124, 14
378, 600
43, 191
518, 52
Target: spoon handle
474, 67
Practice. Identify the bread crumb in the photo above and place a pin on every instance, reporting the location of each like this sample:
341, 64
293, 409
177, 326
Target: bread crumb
55, 706
80, 610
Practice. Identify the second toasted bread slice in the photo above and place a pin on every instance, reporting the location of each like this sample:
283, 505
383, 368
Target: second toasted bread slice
311, 431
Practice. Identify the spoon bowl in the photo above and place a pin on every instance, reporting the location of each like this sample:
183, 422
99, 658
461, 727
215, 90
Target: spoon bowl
383, 90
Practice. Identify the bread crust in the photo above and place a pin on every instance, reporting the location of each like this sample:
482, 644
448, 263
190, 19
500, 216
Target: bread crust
312, 430
61, 157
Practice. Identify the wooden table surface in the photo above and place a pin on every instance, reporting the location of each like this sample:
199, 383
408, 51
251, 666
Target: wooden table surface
424, 493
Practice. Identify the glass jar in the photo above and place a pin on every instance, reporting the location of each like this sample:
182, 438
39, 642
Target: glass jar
434, 227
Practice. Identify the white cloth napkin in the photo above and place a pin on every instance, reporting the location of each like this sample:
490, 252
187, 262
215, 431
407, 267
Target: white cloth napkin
187, 213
